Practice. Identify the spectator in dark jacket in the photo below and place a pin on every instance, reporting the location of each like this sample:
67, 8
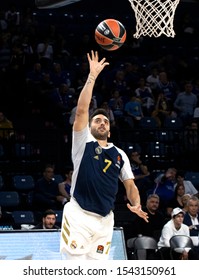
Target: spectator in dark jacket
46, 193
191, 218
48, 220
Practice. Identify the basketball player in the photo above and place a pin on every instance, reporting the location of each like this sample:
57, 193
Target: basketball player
87, 224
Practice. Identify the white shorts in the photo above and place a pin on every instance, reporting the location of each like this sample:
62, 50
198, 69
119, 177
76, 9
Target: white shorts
85, 233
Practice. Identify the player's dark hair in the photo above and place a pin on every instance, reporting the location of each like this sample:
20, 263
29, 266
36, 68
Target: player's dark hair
99, 111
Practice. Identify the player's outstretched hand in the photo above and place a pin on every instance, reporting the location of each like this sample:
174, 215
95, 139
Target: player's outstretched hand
138, 210
96, 66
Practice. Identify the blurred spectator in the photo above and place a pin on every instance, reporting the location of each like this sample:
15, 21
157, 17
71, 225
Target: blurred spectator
6, 127
164, 187
5, 53
48, 220
132, 72
35, 74
168, 87
189, 187
185, 103
191, 218
28, 52
153, 78
144, 93
61, 102
162, 109
176, 201
175, 226
191, 139
184, 199
12, 17
59, 76
116, 104
119, 82
190, 145
3, 23
133, 111
156, 218
64, 187
141, 174
46, 191
45, 52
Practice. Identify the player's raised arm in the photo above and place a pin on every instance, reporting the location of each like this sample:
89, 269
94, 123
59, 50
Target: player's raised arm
82, 111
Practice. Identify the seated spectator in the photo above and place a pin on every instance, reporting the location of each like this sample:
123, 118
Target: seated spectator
173, 227
168, 87
6, 127
119, 82
116, 104
133, 111
64, 187
59, 76
177, 199
48, 220
46, 192
185, 103
153, 78
61, 102
191, 139
165, 187
144, 93
191, 218
185, 199
45, 52
141, 173
189, 187
156, 218
162, 110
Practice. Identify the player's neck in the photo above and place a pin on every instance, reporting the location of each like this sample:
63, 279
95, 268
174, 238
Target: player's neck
102, 143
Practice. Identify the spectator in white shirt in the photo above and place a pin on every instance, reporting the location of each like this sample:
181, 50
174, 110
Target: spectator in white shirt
173, 227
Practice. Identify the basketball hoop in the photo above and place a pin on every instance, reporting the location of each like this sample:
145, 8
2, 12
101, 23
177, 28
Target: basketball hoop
154, 17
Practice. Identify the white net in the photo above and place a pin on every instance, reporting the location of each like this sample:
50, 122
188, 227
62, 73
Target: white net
154, 17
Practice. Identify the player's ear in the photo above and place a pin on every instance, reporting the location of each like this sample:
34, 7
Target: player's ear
109, 134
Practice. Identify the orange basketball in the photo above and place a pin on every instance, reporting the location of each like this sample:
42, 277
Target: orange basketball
110, 34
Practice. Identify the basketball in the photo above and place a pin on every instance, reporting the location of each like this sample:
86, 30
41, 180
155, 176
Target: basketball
110, 34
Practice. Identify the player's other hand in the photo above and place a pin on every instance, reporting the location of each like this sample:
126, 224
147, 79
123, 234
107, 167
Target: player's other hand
138, 210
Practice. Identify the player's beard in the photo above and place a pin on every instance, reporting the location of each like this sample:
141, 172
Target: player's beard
99, 136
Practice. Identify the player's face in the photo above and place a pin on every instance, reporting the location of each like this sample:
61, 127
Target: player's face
100, 127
